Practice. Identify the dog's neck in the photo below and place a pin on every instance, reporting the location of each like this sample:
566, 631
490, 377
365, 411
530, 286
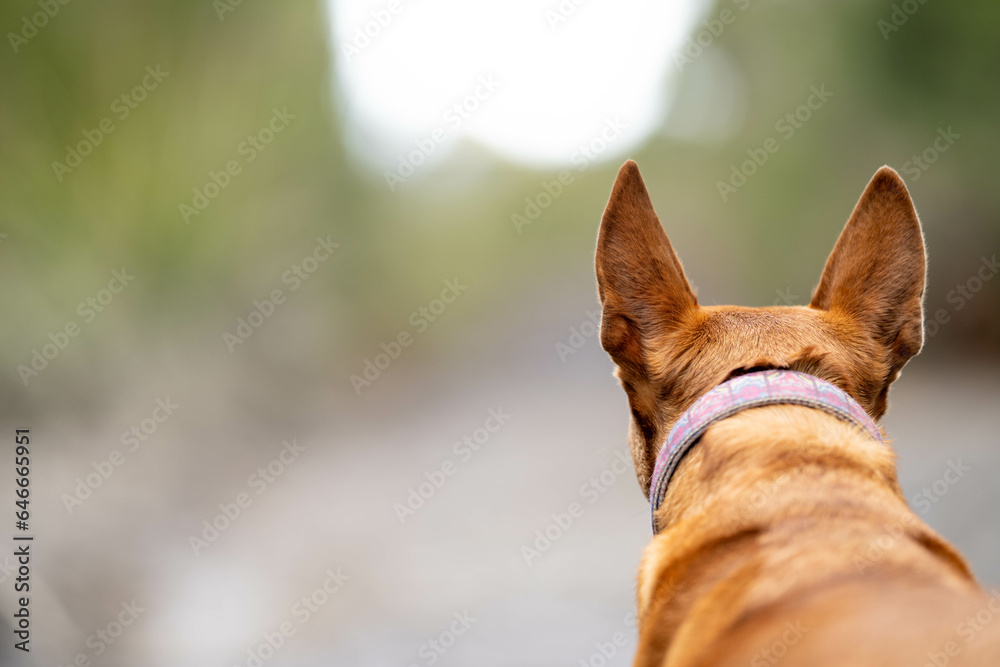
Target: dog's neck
746, 461
768, 498
745, 392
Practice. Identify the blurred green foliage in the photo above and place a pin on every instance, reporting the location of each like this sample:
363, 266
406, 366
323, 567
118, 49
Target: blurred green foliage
120, 206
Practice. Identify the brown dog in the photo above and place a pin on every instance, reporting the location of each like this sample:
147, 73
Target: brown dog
784, 535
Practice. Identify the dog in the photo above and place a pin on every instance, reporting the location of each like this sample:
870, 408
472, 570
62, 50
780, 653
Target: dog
781, 531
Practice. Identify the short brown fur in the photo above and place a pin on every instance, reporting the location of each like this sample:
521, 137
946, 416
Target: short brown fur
782, 514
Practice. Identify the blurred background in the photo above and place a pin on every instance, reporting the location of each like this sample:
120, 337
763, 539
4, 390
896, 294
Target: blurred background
300, 301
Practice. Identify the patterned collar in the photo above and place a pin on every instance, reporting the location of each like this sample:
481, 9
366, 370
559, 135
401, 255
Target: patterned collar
770, 387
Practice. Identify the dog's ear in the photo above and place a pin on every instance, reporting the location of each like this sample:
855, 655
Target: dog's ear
639, 277
875, 274
644, 294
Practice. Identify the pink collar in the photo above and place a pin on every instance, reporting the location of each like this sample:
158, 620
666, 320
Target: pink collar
771, 387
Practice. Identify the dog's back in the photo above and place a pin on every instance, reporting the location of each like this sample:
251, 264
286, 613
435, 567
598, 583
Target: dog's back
789, 540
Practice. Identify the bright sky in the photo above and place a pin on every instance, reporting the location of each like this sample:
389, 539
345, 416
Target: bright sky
533, 80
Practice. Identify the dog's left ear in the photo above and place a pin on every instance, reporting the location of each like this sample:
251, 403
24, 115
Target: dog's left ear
875, 274
639, 276
646, 297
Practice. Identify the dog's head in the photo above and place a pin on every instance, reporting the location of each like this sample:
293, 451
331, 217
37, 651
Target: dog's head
864, 322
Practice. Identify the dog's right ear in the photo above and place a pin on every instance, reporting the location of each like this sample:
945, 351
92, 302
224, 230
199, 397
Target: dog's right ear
875, 279
645, 296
